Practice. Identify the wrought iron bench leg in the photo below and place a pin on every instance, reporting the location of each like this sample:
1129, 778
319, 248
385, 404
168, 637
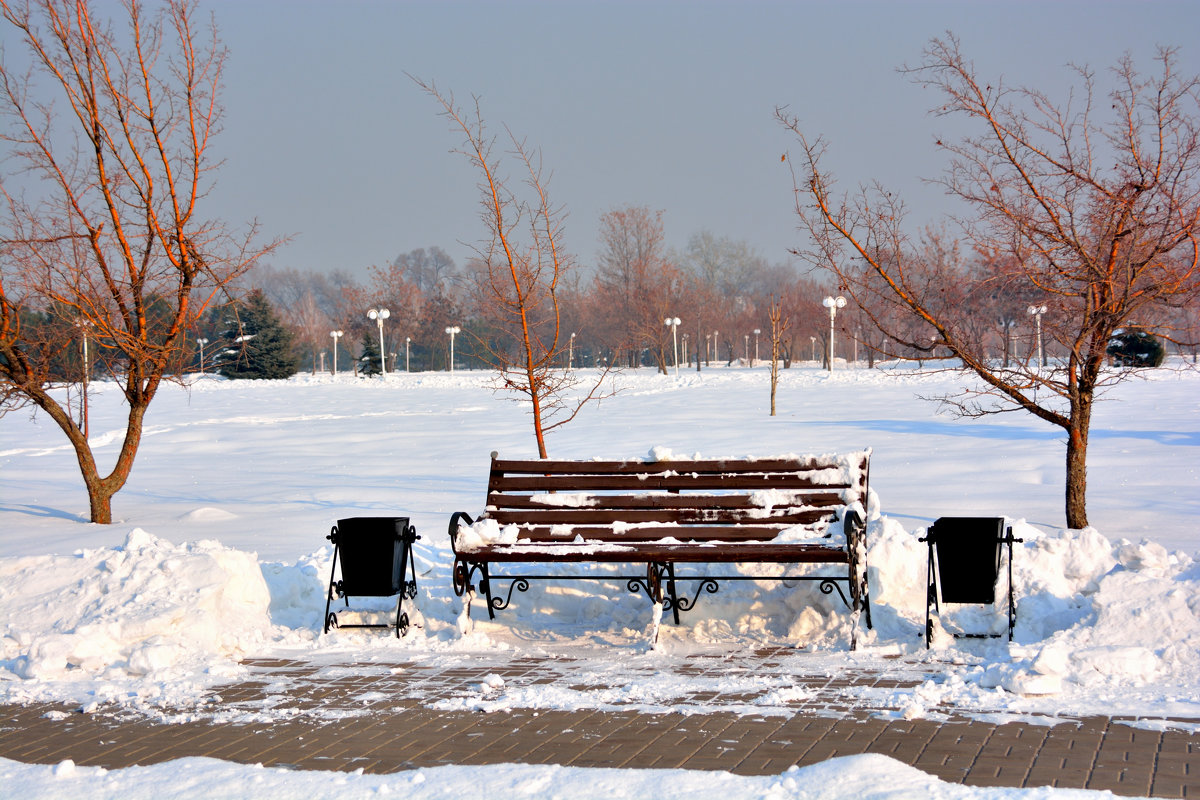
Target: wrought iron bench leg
332, 584
673, 599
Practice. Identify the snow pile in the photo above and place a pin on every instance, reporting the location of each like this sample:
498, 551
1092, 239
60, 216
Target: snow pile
298, 590
1105, 615
128, 618
1117, 623
848, 778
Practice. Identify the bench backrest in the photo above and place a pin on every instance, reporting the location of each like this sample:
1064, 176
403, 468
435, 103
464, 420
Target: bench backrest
726, 499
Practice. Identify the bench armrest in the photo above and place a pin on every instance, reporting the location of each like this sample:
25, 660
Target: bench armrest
458, 518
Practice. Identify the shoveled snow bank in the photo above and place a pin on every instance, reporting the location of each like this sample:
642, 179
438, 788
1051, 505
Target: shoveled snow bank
1102, 626
128, 621
870, 776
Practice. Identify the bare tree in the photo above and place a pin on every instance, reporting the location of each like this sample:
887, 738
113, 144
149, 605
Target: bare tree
432, 271
296, 296
107, 230
521, 265
635, 283
779, 327
1099, 219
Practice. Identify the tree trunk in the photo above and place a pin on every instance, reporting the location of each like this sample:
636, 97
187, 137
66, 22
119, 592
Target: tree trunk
101, 490
1077, 441
99, 499
774, 376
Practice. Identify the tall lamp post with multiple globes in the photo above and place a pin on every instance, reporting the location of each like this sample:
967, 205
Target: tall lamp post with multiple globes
379, 315
833, 304
202, 341
1036, 312
407, 344
452, 330
673, 324
335, 335
757, 331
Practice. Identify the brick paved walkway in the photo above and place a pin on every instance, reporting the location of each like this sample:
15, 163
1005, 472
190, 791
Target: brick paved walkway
369, 716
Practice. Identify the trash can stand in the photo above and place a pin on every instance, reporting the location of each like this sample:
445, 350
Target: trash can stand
347, 585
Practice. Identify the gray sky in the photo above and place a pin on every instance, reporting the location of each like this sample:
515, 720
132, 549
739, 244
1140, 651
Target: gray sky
662, 104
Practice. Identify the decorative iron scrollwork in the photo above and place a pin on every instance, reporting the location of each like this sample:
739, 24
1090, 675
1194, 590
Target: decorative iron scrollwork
830, 585
684, 604
639, 585
518, 585
461, 575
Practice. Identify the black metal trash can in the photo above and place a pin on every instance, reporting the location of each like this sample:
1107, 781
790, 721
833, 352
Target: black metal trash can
964, 566
375, 553
968, 557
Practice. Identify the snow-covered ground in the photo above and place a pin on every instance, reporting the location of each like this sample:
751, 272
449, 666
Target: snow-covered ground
866, 777
219, 552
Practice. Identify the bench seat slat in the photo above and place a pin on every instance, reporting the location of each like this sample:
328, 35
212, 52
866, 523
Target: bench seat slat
651, 482
500, 500
683, 516
702, 466
747, 552
638, 534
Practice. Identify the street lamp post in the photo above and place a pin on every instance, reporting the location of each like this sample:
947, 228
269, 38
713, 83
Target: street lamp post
757, 331
379, 316
833, 304
746, 347
813, 339
201, 341
335, 335
1036, 312
673, 324
407, 343
686, 355
452, 330
571, 352
717, 346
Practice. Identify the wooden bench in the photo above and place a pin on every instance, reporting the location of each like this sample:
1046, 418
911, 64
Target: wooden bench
803, 510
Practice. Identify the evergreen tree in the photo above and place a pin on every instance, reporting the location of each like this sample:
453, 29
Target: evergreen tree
1134, 347
258, 346
368, 362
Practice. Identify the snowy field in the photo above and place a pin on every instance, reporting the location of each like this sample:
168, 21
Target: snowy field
219, 554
